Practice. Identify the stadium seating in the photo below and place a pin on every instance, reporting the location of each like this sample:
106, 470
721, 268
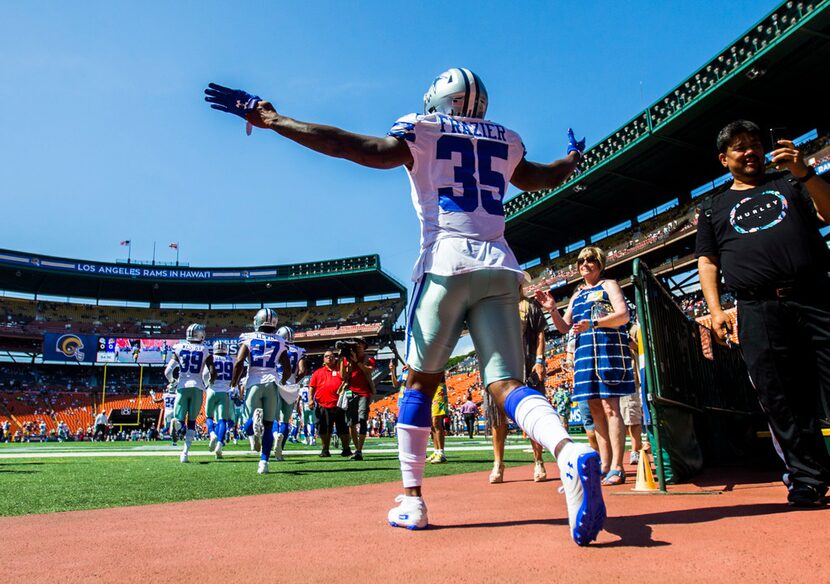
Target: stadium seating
37, 317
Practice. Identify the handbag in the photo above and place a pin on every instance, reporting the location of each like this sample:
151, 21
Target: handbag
343, 398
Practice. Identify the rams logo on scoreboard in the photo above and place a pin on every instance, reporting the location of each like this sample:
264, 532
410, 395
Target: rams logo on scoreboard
71, 346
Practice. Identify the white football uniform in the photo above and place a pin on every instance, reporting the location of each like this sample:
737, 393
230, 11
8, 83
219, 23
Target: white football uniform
295, 355
224, 372
169, 402
192, 357
305, 397
465, 273
460, 173
264, 350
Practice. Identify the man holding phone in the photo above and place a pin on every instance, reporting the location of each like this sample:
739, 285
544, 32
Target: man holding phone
763, 236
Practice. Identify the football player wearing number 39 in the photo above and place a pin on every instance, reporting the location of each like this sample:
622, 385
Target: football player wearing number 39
192, 357
459, 164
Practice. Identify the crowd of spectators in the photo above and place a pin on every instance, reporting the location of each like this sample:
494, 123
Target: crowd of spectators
628, 243
38, 317
694, 305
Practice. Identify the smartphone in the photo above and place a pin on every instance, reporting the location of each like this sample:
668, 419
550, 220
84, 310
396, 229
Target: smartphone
776, 134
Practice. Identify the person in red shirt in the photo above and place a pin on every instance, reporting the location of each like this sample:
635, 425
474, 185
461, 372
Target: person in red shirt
357, 368
324, 385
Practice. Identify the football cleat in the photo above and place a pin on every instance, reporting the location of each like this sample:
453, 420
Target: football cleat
218, 452
410, 513
183, 457
579, 469
213, 440
539, 473
262, 468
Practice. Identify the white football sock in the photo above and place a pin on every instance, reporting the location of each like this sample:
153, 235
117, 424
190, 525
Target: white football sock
188, 439
540, 422
412, 452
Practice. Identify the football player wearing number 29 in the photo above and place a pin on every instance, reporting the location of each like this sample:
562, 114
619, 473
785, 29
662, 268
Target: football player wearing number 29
458, 164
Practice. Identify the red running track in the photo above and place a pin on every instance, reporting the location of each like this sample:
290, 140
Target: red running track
513, 532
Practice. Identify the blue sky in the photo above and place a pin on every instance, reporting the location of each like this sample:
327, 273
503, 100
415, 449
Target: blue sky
105, 135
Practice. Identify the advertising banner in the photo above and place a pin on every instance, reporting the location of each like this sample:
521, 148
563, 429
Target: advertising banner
69, 347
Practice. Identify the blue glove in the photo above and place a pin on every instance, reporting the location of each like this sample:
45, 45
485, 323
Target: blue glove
232, 101
575, 145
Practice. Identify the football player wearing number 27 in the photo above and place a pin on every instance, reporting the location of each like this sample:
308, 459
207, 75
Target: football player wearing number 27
458, 163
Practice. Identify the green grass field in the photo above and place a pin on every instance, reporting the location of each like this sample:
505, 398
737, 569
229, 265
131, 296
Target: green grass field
40, 484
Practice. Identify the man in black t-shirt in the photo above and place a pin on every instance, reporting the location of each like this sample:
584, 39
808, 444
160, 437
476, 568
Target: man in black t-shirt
763, 235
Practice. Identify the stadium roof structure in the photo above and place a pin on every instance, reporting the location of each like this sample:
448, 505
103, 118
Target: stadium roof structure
774, 74
355, 277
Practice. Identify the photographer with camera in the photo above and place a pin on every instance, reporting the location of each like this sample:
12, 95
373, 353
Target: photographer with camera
356, 369
324, 386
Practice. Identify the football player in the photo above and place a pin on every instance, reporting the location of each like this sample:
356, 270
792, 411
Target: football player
169, 399
306, 406
218, 407
288, 393
262, 351
459, 165
191, 357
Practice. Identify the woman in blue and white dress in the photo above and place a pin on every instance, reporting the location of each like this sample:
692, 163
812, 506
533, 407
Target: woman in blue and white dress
603, 371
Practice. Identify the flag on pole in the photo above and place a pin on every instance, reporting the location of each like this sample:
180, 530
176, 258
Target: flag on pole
125, 242
173, 246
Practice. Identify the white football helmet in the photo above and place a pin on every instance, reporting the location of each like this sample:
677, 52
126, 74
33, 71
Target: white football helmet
457, 92
195, 333
221, 347
287, 333
265, 318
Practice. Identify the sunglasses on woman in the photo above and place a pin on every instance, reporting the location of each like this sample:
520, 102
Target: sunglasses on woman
581, 261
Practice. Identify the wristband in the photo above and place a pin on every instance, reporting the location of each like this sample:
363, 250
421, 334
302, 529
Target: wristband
540, 360
811, 172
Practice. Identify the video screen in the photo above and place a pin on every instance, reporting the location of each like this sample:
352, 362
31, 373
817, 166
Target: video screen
140, 351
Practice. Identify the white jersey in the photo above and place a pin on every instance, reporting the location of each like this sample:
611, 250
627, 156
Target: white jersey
224, 372
295, 355
305, 397
264, 350
460, 173
169, 401
192, 357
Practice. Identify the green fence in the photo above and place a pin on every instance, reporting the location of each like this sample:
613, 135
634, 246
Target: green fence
703, 409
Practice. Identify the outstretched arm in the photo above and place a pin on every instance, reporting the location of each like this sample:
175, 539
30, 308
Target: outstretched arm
386, 152
371, 151
534, 176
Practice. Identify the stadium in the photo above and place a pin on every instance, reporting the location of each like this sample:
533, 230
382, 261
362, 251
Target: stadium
80, 338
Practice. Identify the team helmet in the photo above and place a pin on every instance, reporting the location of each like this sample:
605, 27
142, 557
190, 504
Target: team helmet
457, 92
265, 317
195, 333
221, 347
287, 333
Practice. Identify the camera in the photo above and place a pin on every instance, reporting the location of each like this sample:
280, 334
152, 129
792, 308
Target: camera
347, 349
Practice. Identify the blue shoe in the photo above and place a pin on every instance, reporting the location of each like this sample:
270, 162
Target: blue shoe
580, 473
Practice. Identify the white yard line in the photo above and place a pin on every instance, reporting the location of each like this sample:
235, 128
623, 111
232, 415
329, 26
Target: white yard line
201, 450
